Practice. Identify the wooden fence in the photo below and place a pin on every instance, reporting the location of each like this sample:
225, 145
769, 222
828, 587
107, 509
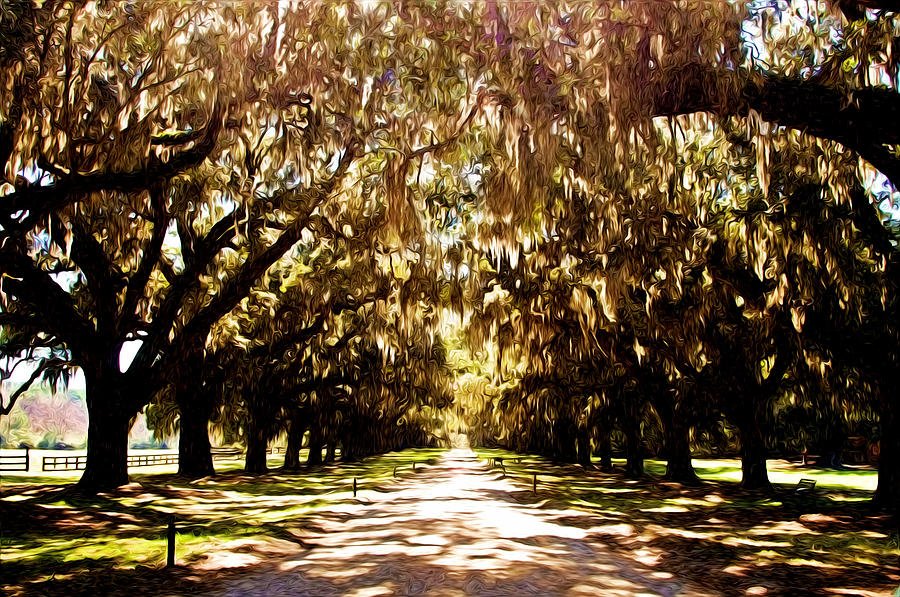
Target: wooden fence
63, 463
77, 463
225, 453
15, 462
152, 459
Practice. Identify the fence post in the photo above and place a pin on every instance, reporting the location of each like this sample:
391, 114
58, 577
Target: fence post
534, 484
170, 537
27, 461
354, 486
395, 472
414, 465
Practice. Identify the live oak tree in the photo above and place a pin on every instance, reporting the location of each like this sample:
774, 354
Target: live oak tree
166, 156
106, 193
167, 161
632, 68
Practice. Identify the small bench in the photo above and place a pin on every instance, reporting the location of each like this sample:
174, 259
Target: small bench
800, 494
805, 487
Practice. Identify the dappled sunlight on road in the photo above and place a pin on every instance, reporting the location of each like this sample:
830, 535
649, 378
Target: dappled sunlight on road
454, 528
431, 522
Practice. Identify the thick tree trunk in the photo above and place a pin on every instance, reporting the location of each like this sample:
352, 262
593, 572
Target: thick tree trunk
564, 447
194, 454
330, 452
257, 442
604, 450
107, 445
316, 443
887, 494
634, 457
634, 454
754, 474
677, 438
108, 425
349, 449
678, 455
295, 442
195, 408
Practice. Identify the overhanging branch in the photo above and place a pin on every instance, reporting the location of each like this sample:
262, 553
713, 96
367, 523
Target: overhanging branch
37, 200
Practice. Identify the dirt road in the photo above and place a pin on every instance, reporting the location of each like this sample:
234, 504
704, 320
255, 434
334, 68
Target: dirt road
454, 528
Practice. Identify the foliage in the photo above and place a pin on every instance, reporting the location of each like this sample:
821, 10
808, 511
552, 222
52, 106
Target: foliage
650, 219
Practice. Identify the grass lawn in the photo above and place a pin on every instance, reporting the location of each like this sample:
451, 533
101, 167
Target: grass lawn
713, 534
725, 537
53, 537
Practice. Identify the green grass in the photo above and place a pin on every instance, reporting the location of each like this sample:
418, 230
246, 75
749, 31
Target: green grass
56, 541
52, 534
723, 534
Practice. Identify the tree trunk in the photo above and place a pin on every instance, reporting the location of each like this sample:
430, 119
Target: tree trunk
677, 437
295, 442
257, 442
678, 454
754, 474
605, 452
315, 446
194, 454
107, 441
634, 456
584, 447
195, 408
349, 448
329, 452
564, 440
887, 494
634, 465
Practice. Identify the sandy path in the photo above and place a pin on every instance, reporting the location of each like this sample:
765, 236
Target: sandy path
451, 529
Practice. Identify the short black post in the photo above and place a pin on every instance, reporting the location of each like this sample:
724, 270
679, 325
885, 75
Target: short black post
27, 461
170, 537
354, 486
395, 472
534, 484
414, 465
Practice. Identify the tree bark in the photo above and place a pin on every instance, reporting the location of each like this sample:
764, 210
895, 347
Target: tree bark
634, 464
754, 474
634, 455
107, 441
678, 455
677, 438
350, 445
257, 442
584, 446
316, 443
605, 451
887, 493
564, 440
329, 452
194, 453
195, 406
295, 441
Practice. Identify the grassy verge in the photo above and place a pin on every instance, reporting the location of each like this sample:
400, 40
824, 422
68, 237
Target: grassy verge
726, 538
52, 536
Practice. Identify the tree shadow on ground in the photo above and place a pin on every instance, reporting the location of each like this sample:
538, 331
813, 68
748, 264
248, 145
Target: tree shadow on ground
42, 525
582, 532
732, 540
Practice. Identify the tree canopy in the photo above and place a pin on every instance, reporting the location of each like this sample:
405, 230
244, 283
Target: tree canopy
373, 221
